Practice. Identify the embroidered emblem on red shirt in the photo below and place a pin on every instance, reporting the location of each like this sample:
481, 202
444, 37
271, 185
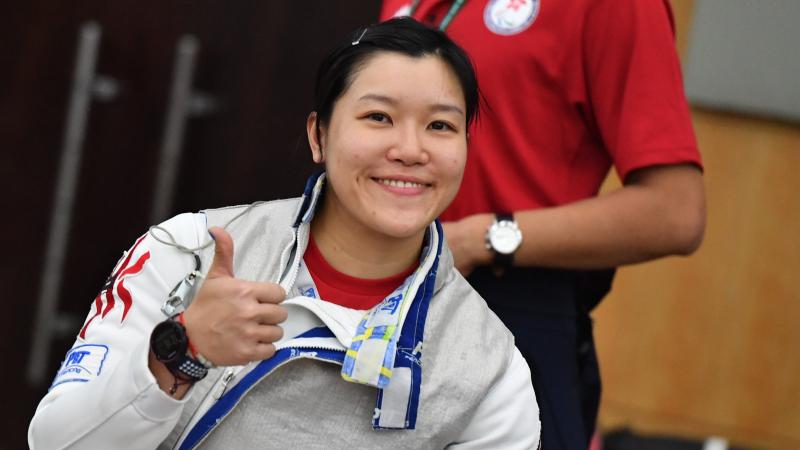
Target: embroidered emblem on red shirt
516, 4
509, 17
114, 287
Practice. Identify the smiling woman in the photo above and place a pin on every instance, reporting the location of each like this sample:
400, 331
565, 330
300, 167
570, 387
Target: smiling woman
310, 334
395, 149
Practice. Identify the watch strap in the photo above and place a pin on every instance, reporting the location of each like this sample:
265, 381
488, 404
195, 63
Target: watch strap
184, 366
502, 261
188, 368
207, 363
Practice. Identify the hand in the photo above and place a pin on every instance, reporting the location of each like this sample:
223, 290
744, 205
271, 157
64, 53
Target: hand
232, 321
466, 239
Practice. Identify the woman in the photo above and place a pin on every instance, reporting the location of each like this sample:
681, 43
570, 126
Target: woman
307, 329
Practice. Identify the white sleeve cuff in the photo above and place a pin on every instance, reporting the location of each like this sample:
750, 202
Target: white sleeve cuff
151, 402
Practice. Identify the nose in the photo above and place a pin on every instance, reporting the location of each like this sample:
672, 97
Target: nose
409, 148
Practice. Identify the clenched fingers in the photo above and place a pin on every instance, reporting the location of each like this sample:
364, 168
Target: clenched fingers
268, 334
268, 292
269, 314
264, 351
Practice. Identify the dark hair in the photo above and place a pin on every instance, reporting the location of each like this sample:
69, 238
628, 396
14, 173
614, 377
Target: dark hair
401, 35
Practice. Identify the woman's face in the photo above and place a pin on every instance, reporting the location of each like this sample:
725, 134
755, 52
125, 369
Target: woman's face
395, 146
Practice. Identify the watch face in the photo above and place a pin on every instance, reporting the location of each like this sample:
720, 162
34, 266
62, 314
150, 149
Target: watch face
505, 237
168, 341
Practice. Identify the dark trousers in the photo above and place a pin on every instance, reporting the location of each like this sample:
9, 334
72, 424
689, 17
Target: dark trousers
547, 310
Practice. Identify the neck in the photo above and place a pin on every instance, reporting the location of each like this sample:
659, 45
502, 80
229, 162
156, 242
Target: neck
359, 252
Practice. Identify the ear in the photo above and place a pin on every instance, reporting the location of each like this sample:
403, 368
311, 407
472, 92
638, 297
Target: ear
315, 141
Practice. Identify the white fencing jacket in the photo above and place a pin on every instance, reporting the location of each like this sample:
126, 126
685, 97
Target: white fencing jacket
448, 376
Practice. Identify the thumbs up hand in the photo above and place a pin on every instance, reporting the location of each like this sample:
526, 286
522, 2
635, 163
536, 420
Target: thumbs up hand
232, 321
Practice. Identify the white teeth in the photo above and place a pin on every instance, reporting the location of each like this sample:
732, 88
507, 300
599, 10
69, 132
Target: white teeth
399, 183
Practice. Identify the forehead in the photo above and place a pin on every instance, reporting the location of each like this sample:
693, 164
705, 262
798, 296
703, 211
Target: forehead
397, 74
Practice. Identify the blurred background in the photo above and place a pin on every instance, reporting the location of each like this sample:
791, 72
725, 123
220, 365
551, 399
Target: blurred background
710, 344
116, 115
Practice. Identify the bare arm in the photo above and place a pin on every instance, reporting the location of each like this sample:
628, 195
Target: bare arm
659, 211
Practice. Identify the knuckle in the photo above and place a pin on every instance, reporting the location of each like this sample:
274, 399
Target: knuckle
276, 314
252, 354
242, 355
245, 290
250, 311
250, 334
269, 351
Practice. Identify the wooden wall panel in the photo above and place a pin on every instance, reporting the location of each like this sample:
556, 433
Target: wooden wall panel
708, 345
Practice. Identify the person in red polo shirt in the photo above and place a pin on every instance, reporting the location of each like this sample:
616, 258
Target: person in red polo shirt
571, 88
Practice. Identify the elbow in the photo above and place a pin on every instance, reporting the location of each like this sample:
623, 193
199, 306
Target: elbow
34, 437
690, 238
689, 229
677, 206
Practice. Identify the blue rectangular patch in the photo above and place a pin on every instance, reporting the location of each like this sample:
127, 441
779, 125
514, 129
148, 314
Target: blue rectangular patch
81, 364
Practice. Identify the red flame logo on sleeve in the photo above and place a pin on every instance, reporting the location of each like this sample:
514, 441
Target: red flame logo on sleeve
114, 287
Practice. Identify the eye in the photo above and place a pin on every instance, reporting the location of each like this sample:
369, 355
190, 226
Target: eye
440, 125
378, 117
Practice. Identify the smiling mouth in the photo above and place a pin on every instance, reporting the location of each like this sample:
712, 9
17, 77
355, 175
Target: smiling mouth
400, 183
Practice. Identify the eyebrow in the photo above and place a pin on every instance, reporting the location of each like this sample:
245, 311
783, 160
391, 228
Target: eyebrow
437, 107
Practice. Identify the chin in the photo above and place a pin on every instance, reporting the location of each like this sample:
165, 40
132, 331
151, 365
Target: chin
402, 230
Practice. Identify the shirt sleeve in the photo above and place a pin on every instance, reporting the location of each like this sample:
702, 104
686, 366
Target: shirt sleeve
508, 417
104, 393
635, 87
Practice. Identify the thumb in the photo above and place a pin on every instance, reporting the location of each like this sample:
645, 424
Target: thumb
222, 265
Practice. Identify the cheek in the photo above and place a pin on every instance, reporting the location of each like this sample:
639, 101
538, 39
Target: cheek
454, 169
350, 153
345, 167
453, 166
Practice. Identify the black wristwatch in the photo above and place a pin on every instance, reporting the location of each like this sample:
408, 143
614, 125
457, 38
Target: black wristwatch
169, 344
503, 238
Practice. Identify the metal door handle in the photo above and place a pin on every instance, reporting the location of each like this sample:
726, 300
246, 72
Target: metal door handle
86, 86
183, 103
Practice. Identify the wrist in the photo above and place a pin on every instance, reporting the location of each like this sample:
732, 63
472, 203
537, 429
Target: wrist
169, 345
191, 349
165, 378
503, 238
475, 227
